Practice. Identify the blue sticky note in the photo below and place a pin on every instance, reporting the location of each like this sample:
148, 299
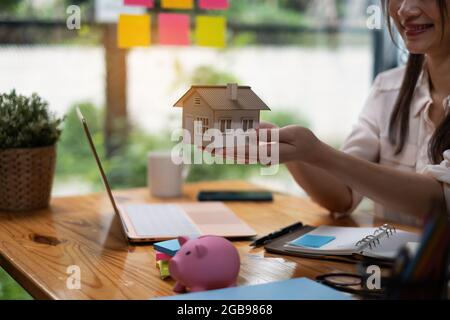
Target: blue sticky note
312, 241
169, 247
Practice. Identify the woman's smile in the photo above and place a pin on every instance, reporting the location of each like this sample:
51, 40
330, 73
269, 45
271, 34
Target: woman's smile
412, 30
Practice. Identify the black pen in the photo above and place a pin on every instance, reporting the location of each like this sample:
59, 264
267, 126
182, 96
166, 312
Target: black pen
263, 240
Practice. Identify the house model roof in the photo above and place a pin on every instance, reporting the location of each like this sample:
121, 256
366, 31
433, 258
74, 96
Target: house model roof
221, 98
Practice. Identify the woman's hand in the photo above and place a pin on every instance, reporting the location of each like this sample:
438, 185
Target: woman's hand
296, 143
267, 125
280, 145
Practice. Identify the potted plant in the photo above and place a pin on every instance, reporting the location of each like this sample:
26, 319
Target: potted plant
28, 136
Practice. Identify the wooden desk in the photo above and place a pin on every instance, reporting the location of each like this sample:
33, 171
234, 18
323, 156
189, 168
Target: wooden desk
37, 248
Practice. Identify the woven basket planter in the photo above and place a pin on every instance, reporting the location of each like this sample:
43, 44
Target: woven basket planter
26, 178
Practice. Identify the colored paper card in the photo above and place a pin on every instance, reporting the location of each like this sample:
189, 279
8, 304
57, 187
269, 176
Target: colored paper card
133, 31
164, 271
174, 29
213, 4
211, 31
140, 3
162, 256
177, 4
312, 241
169, 247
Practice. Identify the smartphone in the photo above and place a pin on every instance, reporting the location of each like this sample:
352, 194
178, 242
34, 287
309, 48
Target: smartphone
260, 196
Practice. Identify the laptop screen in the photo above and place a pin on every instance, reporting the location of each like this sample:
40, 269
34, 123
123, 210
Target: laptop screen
97, 159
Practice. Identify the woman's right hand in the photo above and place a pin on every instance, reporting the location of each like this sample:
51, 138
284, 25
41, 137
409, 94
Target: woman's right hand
267, 125
281, 145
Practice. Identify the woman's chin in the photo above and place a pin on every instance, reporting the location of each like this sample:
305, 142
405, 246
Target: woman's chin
416, 51
419, 46
416, 48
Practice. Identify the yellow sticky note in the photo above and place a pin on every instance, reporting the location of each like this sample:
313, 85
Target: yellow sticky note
133, 31
164, 269
177, 4
211, 31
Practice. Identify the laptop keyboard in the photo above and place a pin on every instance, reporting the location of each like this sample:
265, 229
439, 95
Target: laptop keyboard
160, 220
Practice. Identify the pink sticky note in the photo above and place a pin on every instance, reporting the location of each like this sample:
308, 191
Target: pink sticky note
162, 256
142, 3
213, 4
174, 29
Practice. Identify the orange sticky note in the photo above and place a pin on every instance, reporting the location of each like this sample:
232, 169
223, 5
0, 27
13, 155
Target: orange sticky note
174, 29
211, 31
133, 31
177, 4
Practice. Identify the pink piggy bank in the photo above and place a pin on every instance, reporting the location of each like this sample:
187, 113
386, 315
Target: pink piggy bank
205, 263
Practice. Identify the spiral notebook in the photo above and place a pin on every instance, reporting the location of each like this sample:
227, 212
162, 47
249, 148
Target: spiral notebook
381, 243
345, 244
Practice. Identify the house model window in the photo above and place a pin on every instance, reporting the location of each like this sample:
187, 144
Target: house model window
225, 108
247, 124
202, 125
225, 125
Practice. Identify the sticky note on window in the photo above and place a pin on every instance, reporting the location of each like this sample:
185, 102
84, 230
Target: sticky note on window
174, 29
133, 31
211, 31
177, 4
140, 3
213, 4
312, 241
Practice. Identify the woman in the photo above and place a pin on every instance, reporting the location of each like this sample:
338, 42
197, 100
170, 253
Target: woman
394, 153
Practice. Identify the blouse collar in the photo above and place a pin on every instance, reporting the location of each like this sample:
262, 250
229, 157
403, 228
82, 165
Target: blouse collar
423, 93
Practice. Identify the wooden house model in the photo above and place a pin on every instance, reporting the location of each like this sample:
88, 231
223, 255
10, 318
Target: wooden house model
226, 108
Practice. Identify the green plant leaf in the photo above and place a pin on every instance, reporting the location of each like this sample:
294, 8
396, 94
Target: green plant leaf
27, 122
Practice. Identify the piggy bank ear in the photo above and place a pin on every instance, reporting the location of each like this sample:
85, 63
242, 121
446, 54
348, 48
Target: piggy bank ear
182, 240
200, 250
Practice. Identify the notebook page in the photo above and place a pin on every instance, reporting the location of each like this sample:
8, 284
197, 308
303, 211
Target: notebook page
344, 244
389, 247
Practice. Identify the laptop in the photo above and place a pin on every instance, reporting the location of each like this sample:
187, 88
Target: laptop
143, 222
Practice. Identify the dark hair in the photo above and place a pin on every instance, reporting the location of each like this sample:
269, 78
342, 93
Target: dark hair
399, 123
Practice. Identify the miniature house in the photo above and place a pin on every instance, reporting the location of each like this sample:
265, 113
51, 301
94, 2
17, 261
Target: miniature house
226, 108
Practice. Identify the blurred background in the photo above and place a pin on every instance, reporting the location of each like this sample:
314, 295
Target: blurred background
311, 61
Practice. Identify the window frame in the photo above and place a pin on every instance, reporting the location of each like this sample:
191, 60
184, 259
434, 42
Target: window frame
227, 121
247, 121
205, 124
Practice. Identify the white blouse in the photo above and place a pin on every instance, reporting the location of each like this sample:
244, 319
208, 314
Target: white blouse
441, 172
369, 138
